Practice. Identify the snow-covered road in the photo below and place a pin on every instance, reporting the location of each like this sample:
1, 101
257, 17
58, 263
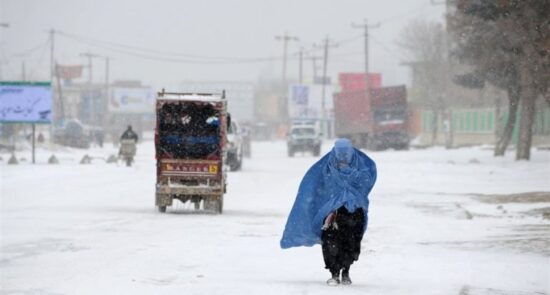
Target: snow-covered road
439, 223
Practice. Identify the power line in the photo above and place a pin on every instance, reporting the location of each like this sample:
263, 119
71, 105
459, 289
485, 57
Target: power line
31, 50
164, 55
381, 44
40, 61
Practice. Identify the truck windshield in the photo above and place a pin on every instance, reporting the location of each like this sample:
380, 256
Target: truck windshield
303, 131
189, 131
389, 116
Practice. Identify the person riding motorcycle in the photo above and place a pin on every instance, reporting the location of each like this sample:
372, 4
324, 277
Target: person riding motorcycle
129, 134
128, 141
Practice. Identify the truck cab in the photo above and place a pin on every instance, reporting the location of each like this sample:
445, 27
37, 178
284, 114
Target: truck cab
190, 145
302, 138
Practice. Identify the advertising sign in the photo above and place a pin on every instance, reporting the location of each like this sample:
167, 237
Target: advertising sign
68, 72
25, 102
136, 100
306, 101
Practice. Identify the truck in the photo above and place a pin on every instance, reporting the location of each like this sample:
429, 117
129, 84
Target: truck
191, 149
375, 121
302, 137
234, 146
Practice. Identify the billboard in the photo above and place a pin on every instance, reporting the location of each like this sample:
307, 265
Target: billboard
306, 101
350, 82
132, 100
68, 72
25, 102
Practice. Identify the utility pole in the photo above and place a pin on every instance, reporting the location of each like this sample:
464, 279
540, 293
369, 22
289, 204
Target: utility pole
106, 98
89, 90
90, 56
314, 63
52, 57
3, 26
285, 38
106, 72
445, 109
326, 45
300, 68
365, 26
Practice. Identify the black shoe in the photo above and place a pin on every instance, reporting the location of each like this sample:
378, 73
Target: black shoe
334, 280
345, 278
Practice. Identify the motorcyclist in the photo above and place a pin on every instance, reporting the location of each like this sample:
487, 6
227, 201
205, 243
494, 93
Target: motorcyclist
129, 134
128, 141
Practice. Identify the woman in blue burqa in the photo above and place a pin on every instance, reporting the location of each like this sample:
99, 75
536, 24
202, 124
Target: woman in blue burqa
331, 208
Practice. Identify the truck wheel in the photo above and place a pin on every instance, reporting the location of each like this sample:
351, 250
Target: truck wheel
215, 205
290, 152
234, 165
240, 161
220, 205
162, 209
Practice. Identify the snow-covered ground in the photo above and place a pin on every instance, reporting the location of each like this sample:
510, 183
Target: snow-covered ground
439, 223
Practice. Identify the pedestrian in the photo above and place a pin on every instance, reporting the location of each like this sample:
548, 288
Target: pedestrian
331, 208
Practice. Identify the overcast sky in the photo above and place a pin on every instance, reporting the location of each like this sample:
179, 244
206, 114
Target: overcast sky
192, 40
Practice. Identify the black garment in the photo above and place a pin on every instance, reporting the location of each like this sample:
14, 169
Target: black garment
129, 134
341, 246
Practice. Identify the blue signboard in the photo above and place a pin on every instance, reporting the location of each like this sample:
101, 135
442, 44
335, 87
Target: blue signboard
24, 102
300, 94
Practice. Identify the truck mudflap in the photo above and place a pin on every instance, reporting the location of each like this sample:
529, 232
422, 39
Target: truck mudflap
177, 189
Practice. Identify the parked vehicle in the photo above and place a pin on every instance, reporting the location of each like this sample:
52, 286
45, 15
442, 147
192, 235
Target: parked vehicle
235, 143
376, 122
190, 143
73, 134
303, 138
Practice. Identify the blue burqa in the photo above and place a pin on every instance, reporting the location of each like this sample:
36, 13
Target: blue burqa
325, 188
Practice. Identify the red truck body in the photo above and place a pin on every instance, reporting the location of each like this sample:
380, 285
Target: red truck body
376, 121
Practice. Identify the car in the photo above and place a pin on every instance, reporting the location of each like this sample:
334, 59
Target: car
234, 146
303, 138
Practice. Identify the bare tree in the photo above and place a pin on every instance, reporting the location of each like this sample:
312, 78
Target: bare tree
424, 46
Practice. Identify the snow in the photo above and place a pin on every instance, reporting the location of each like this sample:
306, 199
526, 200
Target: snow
93, 229
191, 97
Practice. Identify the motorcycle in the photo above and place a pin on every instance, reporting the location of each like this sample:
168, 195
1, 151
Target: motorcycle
127, 151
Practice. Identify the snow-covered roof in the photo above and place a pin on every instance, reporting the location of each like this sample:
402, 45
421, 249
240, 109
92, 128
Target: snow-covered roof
190, 96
